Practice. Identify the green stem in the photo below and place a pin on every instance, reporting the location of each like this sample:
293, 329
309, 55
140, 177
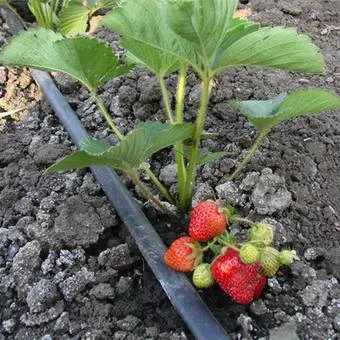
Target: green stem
250, 154
191, 172
148, 194
243, 220
180, 94
230, 245
210, 244
166, 99
181, 170
162, 189
120, 136
107, 116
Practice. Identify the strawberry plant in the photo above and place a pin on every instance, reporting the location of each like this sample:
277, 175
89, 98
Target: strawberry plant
67, 16
168, 36
240, 269
45, 12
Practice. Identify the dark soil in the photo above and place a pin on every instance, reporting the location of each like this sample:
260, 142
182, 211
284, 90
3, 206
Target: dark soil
70, 270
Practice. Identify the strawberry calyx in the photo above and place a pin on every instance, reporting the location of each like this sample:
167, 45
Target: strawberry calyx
197, 253
230, 213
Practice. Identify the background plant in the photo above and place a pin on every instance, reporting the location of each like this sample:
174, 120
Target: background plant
67, 16
169, 36
45, 11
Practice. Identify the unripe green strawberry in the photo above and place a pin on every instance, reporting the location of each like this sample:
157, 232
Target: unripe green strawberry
262, 233
269, 261
202, 276
249, 253
286, 257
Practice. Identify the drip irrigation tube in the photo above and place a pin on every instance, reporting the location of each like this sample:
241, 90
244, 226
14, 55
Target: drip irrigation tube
179, 290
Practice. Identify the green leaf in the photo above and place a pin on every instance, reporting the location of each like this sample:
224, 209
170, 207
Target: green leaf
157, 62
273, 47
265, 114
3, 2
160, 136
260, 112
73, 19
146, 35
306, 102
201, 33
135, 148
85, 59
78, 160
201, 22
94, 147
204, 158
99, 4
239, 28
211, 157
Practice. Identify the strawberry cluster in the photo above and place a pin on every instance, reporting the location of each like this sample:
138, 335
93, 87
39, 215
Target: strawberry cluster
240, 269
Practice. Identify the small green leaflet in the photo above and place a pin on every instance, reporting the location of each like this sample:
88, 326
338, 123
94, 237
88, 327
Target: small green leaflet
74, 17
139, 145
3, 2
265, 114
85, 59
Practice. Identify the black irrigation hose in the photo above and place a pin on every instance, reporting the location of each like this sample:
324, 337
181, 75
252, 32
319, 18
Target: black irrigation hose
179, 290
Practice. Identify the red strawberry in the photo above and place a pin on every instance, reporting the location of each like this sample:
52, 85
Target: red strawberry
207, 221
243, 282
181, 255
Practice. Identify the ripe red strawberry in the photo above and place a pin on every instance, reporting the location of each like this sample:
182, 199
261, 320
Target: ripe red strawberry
243, 282
207, 221
181, 255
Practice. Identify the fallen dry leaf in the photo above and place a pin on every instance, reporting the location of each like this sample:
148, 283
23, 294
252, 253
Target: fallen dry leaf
244, 13
94, 23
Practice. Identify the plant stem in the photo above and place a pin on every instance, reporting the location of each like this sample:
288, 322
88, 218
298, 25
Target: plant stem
191, 172
181, 93
166, 99
243, 220
230, 245
250, 154
107, 116
148, 194
120, 136
162, 189
181, 170
13, 10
